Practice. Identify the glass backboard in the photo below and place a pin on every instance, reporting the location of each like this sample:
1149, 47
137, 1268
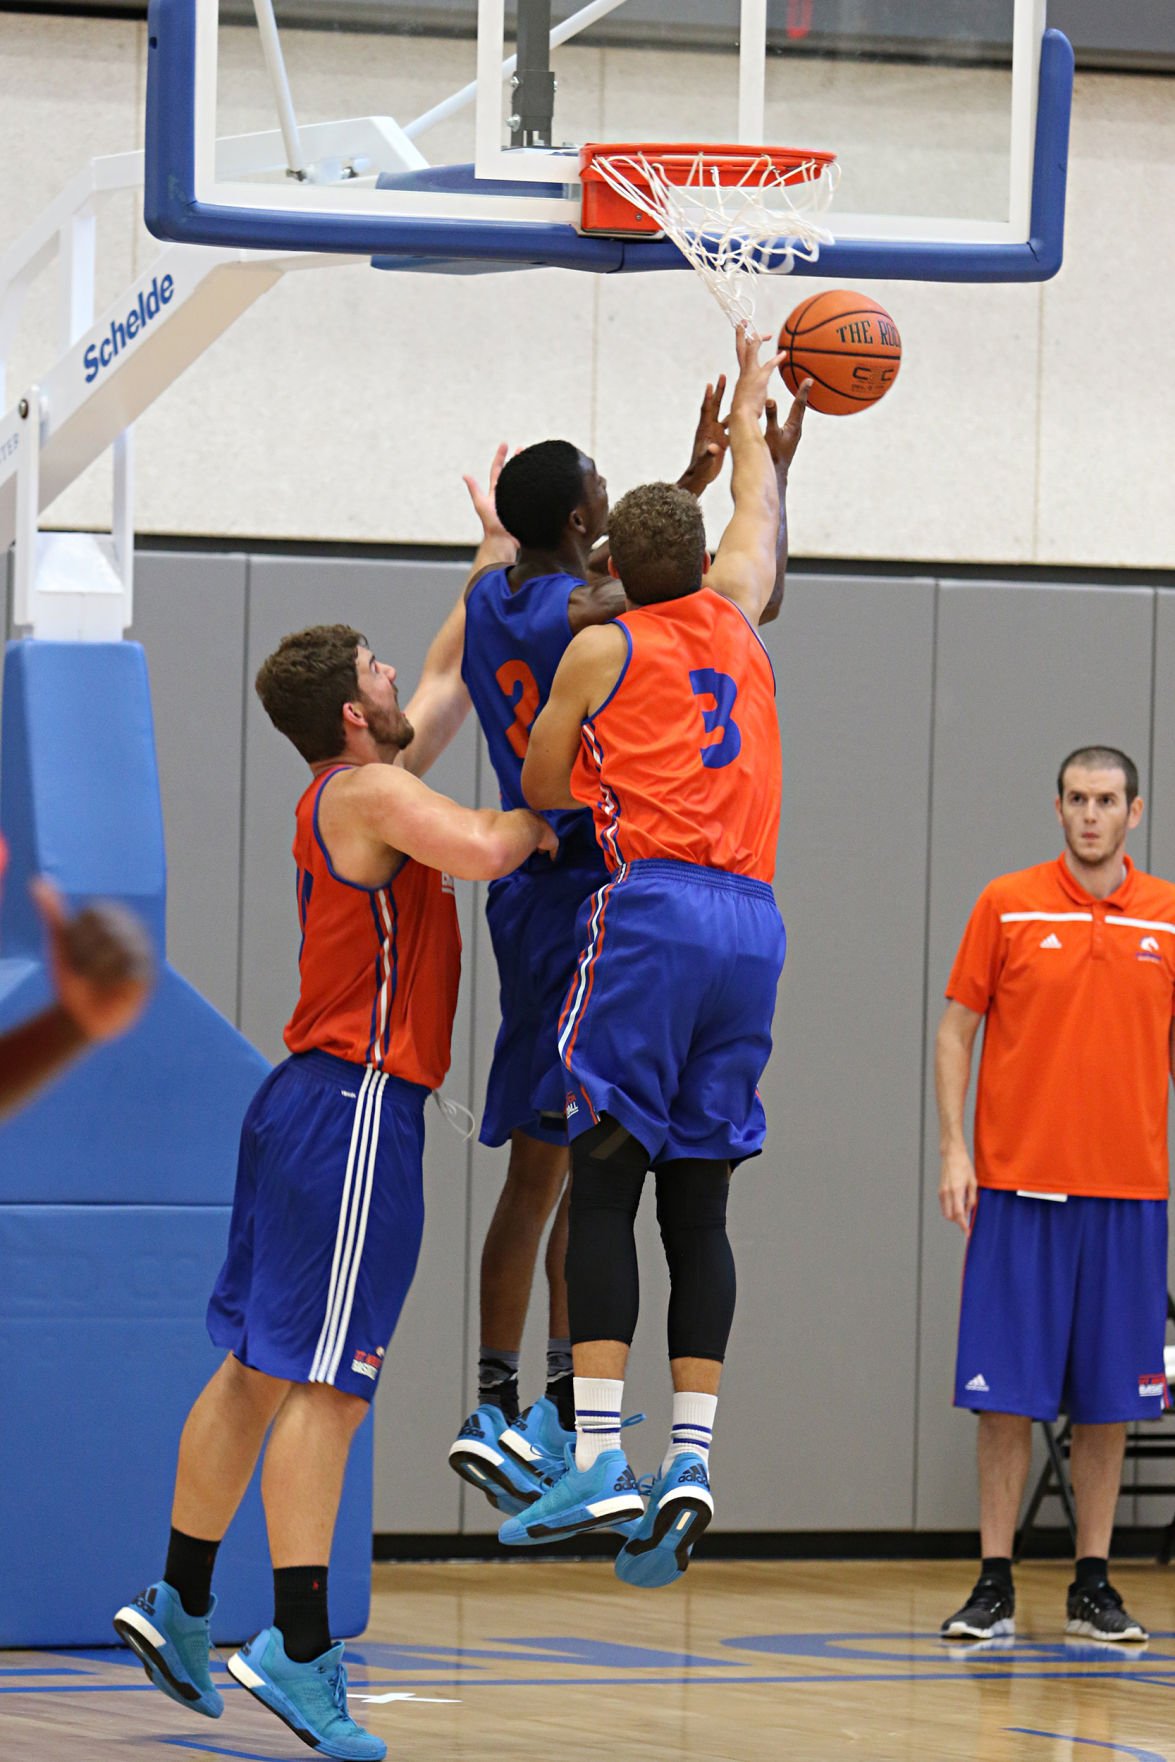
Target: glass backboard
446, 133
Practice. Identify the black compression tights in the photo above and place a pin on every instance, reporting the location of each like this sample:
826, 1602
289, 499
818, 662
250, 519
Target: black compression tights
603, 1283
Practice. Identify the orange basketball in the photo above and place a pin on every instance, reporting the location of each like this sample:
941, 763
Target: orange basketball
847, 345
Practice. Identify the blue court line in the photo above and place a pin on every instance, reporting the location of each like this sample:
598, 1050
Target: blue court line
218, 1750
825, 1679
1097, 1743
40, 1670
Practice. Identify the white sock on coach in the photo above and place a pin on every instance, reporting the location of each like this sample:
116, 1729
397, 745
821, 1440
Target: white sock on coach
693, 1426
597, 1418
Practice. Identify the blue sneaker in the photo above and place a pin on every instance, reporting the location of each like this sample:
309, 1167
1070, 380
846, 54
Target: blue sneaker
310, 1698
680, 1508
593, 1498
172, 1646
477, 1456
537, 1441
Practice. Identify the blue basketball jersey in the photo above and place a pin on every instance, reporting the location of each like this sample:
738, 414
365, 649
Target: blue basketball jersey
514, 642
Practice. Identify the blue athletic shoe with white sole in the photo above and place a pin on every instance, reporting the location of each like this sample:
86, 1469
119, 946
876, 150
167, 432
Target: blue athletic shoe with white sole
680, 1508
310, 1698
537, 1441
599, 1497
477, 1456
172, 1646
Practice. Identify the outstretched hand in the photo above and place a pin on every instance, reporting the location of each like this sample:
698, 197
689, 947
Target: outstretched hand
754, 376
782, 442
484, 505
710, 441
101, 962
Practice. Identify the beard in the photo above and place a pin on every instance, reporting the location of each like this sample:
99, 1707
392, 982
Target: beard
390, 730
1087, 858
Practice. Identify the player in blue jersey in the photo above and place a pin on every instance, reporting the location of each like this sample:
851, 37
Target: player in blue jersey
519, 620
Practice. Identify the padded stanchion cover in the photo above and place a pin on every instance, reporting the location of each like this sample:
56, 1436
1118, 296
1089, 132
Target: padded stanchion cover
102, 1352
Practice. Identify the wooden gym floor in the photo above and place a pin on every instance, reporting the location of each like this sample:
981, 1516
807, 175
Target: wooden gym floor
739, 1662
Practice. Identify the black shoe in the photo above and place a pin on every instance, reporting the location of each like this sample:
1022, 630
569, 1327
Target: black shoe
987, 1613
1096, 1611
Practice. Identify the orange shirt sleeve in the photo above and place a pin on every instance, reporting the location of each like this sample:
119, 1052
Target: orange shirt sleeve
976, 971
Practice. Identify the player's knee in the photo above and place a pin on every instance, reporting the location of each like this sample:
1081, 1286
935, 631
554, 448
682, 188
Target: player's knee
608, 1168
691, 1195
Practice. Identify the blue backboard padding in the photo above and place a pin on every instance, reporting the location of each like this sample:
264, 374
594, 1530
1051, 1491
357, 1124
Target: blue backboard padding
172, 211
102, 1352
152, 1119
79, 788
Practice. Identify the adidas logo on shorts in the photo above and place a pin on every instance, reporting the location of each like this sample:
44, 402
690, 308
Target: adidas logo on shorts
979, 1384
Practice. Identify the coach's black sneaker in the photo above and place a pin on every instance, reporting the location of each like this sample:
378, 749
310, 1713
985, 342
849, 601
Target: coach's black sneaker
986, 1615
1095, 1610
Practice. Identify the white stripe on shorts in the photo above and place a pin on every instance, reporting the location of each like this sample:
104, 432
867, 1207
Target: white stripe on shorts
353, 1182
364, 1207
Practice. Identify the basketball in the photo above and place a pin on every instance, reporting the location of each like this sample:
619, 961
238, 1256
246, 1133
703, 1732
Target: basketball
847, 345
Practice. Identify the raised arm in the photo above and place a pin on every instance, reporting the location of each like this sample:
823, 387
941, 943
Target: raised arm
589, 669
103, 972
782, 444
957, 1187
746, 566
387, 806
602, 597
440, 703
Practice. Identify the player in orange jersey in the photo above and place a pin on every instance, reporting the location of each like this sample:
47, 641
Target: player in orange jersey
328, 1208
1071, 965
664, 724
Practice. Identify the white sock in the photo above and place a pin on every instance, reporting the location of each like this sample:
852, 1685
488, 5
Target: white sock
597, 1418
693, 1426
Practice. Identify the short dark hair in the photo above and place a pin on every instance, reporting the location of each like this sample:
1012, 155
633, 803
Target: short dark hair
539, 490
1101, 758
658, 542
306, 681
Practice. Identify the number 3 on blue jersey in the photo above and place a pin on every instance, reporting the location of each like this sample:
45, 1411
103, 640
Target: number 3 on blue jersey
722, 688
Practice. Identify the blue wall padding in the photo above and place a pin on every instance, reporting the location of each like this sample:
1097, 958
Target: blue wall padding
79, 800
101, 1357
114, 1192
152, 1119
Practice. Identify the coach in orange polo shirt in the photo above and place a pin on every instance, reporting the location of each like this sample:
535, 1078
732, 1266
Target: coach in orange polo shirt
1071, 964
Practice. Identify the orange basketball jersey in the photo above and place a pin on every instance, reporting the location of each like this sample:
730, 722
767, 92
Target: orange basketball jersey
379, 966
682, 760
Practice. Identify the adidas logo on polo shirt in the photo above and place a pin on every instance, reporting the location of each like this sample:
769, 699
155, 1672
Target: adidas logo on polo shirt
1052, 941
979, 1384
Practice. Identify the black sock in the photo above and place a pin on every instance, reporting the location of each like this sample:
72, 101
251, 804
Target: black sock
189, 1571
497, 1382
299, 1611
995, 1566
561, 1390
1092, 1571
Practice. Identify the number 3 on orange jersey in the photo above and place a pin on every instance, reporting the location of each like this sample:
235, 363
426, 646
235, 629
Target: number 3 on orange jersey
707, 682
518, 683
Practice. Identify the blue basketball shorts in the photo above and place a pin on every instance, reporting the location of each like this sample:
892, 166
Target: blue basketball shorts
326, 1224
667, 1025
532, 919
1064, 1308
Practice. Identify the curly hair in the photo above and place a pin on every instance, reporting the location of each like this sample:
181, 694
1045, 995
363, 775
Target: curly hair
538, 491
304, 684
658, 542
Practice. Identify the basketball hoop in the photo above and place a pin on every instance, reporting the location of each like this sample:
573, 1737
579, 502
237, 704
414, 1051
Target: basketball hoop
733, 212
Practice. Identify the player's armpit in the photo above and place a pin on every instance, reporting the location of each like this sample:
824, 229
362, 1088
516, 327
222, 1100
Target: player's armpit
586, 675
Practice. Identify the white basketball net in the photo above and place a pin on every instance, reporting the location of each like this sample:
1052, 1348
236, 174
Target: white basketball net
731, 233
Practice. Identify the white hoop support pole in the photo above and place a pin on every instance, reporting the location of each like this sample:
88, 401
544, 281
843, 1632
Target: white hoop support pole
283, 98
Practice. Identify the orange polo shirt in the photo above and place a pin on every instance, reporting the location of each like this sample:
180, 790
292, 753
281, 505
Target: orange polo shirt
1079, 995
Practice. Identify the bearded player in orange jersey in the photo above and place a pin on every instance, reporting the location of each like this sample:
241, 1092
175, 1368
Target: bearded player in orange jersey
328, 1209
